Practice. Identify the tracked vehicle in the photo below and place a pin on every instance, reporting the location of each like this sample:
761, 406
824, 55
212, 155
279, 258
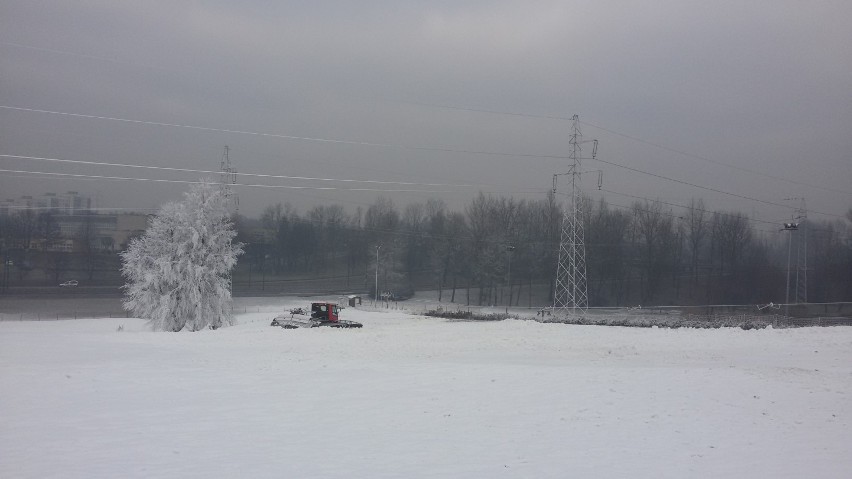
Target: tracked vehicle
321, 314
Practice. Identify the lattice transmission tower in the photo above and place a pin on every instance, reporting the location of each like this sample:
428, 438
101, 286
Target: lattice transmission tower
228, 177
571, 293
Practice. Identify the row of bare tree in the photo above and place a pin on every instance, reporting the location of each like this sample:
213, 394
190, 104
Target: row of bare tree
500, 250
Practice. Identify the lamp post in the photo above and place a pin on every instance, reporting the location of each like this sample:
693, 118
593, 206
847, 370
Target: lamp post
263, 271
509, 250
5, 280
376, 298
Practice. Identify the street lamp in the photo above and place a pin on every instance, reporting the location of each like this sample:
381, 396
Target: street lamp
263, 270
7, 264
509, 250
376, 298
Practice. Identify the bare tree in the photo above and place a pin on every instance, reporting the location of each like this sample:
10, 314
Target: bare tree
696, 231
493, 227
657, 237
481, 257
829, 261
457, 253
356, 244
414, 225
439, 243
274, 221
327, 223
733, 234
606, 236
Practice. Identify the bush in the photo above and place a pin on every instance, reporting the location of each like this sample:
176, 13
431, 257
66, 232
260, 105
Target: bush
469, 316
715, 321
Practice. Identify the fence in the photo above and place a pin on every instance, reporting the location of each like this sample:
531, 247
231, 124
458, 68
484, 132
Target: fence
62, 316
700, 316
71, 315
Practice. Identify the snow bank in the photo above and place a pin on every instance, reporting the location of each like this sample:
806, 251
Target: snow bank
408, 396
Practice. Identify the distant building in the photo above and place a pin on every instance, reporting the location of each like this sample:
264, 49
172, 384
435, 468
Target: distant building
78, 227
103, 232
68, 203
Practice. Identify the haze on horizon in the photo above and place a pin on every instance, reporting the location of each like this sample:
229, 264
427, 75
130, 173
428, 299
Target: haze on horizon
448, 99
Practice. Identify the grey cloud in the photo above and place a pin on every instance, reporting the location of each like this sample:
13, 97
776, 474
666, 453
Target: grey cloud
759, 85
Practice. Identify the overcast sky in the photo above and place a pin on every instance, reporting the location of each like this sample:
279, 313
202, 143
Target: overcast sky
749, 98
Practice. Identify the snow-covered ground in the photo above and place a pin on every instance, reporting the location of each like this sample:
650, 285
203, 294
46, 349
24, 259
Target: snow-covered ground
408, 396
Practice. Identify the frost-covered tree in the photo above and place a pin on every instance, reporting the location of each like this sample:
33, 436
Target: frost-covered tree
178, 272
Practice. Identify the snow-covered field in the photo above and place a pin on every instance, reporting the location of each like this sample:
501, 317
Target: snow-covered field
408, 396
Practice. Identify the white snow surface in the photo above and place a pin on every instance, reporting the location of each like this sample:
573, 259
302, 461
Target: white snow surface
409, 396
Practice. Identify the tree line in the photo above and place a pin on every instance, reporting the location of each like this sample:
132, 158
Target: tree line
501, 250
494, 250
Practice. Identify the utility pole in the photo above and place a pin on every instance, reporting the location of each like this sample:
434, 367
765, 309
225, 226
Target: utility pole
802, 255
800, 217
509, 250
570, 292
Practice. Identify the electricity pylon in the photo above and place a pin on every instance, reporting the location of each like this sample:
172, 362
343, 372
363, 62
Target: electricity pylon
570, 292
227, 177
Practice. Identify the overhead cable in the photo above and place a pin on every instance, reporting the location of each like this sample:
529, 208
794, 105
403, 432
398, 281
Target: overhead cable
392, 145
283, 136
716, 162
290, 187
257, 175
715, 190
633, 138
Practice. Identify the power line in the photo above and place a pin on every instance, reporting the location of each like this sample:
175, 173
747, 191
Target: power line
392, 145
755, 220
32, 177
52, 208
448, 107
256, 175
707, 222
716, 162
440, 106
715, 190
633, 138
286, 137
669, 214
291, 187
